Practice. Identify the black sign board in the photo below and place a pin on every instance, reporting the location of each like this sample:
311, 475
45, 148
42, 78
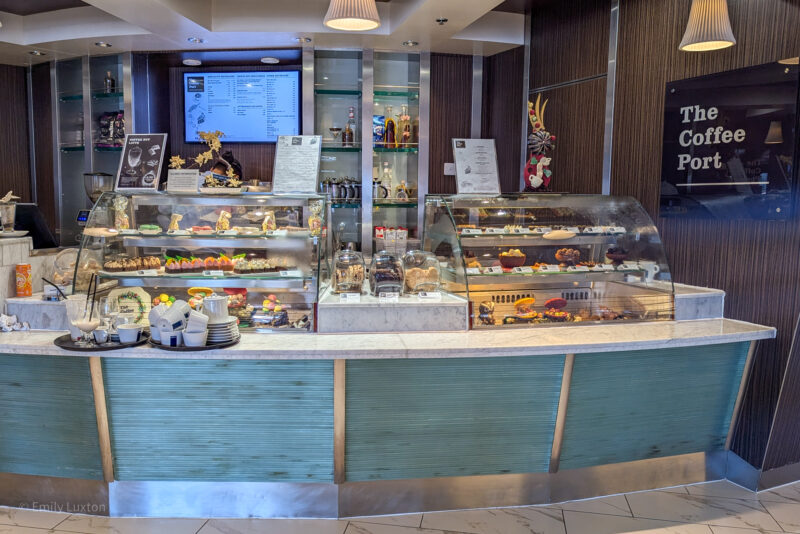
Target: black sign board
140, 164
729, 144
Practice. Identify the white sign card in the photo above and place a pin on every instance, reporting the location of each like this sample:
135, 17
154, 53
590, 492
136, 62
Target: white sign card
296, 164
140, 164
183, 180
476, 166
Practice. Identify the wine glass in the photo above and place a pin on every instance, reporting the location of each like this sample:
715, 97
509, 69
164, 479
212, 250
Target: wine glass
335, 131
108, 309
81, 316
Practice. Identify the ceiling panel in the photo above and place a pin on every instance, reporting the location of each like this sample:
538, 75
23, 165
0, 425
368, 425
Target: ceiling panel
32, 7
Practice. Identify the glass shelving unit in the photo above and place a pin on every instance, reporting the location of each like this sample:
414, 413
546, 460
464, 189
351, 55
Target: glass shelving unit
395, 158
338, 101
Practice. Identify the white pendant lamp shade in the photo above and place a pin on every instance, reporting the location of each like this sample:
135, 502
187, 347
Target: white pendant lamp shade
775, 134
709, 27
352, 15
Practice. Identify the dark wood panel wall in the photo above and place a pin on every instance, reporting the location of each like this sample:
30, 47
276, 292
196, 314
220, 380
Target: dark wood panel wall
451, 106
570, 41
43, 138
14, 143
502, 116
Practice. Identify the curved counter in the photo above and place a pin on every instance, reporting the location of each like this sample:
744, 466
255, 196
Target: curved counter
334, 425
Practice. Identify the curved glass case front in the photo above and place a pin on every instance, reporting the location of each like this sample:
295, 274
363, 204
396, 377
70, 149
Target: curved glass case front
263, 251
550, 259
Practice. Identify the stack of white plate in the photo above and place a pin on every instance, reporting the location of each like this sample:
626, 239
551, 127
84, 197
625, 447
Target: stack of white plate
224, 332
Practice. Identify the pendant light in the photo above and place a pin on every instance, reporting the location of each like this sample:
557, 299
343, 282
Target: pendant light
709, 27
775, 134
352, 15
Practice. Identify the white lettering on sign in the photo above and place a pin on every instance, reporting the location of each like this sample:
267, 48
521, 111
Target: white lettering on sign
712, 136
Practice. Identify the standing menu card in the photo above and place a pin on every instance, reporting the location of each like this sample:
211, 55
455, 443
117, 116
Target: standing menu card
296, 164
140, 164
476, 166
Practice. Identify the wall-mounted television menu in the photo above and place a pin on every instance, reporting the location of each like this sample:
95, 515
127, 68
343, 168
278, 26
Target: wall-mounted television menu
248, 107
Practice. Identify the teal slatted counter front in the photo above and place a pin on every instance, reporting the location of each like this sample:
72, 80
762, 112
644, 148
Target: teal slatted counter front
223, 420
47, 418
450, 417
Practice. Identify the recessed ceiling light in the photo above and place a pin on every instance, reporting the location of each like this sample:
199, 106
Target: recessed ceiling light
270, 60
192, 62
410, 43
196, 40
103, 44
302, 39
36, 53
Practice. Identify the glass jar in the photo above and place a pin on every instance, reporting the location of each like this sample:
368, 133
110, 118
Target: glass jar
421, 271
348, 272
385, 274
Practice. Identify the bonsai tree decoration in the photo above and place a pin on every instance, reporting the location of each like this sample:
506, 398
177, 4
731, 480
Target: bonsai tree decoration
540, 143
220, 173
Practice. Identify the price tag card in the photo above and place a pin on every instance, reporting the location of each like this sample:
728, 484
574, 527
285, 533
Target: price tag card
295, 273
628, 267
608, 267
593, 230
523, 270
430, 296
350, 298
183, 180
520, 231
616, 230
147, 272
213, 273
578, 269
471, 231
573, 229
542, 230
178, 232
277, 233
495, 230
389, 296
129, 231
549, 269
228, 232
494, 270
472, 271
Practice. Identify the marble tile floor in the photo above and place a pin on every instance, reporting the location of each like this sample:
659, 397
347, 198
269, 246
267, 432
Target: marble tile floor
709, 508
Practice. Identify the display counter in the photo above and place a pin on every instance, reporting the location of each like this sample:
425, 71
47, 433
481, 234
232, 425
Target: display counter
333, 425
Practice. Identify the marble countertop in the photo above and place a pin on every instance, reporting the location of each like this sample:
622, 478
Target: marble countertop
477, 343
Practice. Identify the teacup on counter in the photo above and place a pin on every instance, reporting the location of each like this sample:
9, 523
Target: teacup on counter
129, 333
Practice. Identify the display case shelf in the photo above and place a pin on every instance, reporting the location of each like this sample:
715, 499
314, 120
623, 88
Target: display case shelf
103, 94
70, 97
389, 203
409, 150
72, 148
338, 92
333, 148
411, 95
531, 240
108, 148
344, 205
289, 242
186, 281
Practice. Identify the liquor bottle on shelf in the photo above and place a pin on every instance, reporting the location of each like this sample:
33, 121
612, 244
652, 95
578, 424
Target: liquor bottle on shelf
386, 177
404, 127
349, 134
109, 83
390, 130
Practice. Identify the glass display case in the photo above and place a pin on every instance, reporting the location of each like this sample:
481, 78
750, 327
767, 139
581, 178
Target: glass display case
263, 251
550, 258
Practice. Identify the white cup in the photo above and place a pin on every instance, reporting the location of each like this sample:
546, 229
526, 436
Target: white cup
156, 312
216, 308
198, 322
183, 306
195, 339
74, 332
651, 269
101, 335
155, 334
174, 318
172, 339
129, 333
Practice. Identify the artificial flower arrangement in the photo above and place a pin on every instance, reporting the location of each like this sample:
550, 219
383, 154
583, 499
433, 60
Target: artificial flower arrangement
221, 173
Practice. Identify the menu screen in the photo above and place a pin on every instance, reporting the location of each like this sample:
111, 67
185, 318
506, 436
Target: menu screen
248, 107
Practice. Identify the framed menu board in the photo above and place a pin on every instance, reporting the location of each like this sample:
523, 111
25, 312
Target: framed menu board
140, 164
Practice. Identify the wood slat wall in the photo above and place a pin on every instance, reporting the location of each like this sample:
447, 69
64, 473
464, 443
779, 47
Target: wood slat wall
729, 255
14, 149
575, 114
43, 137
569, 41
502, 116
451, 104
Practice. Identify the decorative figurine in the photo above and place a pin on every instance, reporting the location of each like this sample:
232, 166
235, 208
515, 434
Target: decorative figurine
486, 312
269, 222
540, 142
401, 191
314, 220
121, 220
224, 221
174, 219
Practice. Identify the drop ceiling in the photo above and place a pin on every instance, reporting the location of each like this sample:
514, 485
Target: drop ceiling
482, 27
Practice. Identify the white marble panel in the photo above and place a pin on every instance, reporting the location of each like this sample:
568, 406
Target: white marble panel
404, 520
523, 520
721, 488
30, 518
372, 528
697, 509
733, 530
788, 493
85, 524
786, 514
41, 315
274, 526
613, 505
583, 523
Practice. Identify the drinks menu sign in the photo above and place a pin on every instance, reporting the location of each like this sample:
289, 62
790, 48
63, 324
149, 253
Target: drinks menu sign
729, 144
140, 164
476, 166
296, 164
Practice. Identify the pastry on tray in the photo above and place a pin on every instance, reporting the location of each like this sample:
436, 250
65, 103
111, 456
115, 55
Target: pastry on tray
512, 258
202, 230
149, 229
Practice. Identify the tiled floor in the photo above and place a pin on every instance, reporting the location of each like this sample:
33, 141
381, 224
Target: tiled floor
711, 508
